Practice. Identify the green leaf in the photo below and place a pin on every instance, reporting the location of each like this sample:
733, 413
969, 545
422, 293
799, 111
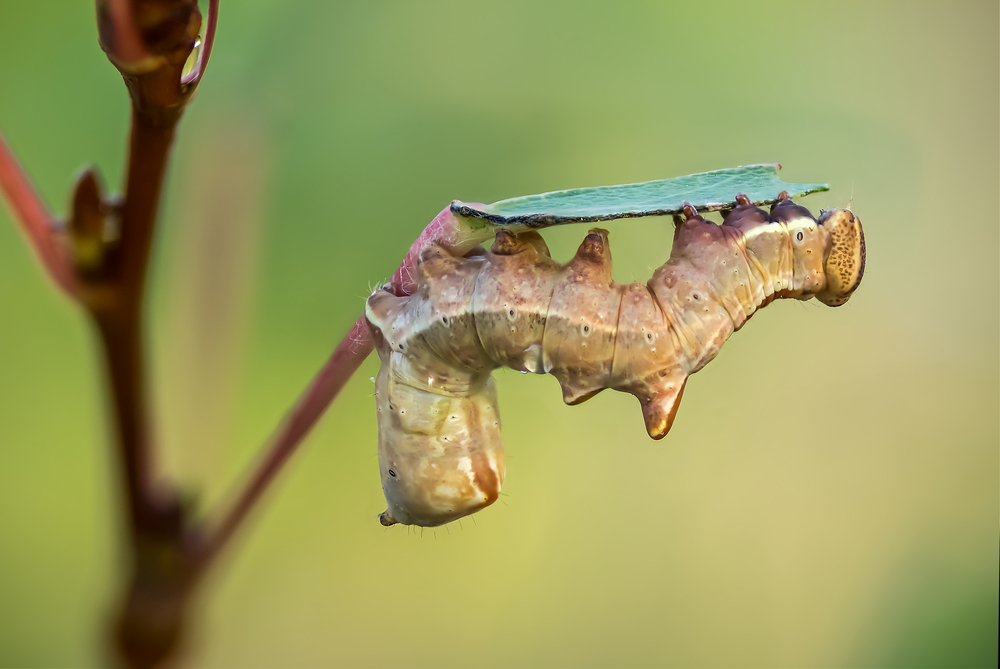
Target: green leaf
707, 191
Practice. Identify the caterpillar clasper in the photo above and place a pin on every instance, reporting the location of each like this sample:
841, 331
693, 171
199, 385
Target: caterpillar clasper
440, 452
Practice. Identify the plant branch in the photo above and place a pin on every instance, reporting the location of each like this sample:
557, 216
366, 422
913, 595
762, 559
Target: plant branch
195, 75
118, 314
149, 42
149, 146
28, 209
103, 262
341, 365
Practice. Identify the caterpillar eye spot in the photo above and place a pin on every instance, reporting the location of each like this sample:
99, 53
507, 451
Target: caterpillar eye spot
799, 236
392, 473
400, 347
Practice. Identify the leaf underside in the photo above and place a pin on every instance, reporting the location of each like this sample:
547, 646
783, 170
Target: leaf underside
706, 191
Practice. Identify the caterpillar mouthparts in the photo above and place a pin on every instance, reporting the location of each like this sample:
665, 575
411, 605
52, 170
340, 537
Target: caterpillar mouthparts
440, 451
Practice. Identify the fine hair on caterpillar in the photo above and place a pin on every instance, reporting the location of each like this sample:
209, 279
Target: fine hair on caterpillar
440, 450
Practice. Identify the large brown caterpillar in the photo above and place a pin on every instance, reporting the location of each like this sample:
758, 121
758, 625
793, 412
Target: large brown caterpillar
440, 452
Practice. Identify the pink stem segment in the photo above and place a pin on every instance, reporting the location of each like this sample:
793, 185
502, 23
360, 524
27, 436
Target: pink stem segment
195, 75
346, 360
36, 222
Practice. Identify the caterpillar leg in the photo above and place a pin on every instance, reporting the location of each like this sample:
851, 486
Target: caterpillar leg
660, 410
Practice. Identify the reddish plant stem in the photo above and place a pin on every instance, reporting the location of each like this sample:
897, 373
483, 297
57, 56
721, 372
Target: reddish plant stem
36, 222
149, 146
113, 296
153, 611
325, 386
195, 76
120, 339
151, 617
323, 389
111, 287
116, 304
119, 322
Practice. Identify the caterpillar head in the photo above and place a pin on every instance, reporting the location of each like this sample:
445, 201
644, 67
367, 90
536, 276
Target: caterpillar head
845, 264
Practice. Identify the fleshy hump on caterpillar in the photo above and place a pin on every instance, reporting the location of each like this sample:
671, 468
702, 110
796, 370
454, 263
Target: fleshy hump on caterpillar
440, 452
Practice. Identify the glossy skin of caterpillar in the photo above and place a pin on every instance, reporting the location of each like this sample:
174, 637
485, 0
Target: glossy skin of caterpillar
440, 451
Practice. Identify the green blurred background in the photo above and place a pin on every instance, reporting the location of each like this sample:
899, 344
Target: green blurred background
829, 493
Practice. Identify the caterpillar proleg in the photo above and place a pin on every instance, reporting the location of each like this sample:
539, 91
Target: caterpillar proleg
440, 451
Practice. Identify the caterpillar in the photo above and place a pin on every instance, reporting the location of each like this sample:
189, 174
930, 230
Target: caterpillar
440, 451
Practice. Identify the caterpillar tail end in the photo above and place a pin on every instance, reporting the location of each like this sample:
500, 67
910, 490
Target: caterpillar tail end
386, 519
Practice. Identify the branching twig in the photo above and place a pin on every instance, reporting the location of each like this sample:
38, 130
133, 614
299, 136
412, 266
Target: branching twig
37, 223
348, 356
325, 386
101, 259
194, 77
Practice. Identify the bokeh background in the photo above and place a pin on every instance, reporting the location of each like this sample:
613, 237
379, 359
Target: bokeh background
829, 493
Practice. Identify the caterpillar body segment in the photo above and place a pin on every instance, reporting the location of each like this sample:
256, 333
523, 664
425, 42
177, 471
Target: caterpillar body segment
440, 451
